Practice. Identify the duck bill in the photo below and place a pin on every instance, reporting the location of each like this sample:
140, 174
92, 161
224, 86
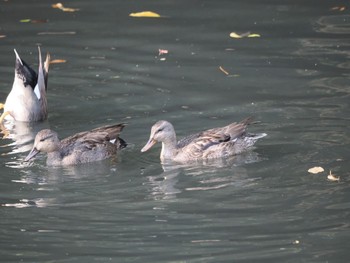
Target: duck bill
32, 154
148, 145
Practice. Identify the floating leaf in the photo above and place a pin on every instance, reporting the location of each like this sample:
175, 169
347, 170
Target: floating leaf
58, 61
64, 9
247, 34
254, 35
145, 14
338, 8
58, 33
224, 71
163, 51
316, 170
332, 177
27, 20
33, 21
235, 35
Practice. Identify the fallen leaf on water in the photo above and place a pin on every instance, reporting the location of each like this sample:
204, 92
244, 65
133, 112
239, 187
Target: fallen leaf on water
224, 71
332, 177
247, 34
316, 170
338, 8
235, 35
144, 14
58, 33
57, 61
64, 9
33, 21
38, 21
163, 51
27, 20
254, 35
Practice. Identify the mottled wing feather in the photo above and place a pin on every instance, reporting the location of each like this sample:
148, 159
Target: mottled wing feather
187, 140
199, 144
113, 131
91, 139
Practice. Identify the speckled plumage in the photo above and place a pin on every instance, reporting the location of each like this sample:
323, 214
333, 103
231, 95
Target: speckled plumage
213, 143
83, 147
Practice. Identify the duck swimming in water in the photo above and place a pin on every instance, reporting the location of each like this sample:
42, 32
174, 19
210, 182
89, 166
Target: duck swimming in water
214, 143
27, 100
89, 146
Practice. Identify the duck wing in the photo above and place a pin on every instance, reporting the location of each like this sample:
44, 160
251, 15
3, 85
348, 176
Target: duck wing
98, 136
43, 73
46, 69
203, 140
113, 131
187, 140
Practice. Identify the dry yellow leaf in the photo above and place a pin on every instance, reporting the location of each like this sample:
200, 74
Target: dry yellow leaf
235, 35
145, 14
57, 61
64, 9
223, 70
247, 34
254, 35
316, 170
332, 177
58, 5
339, 8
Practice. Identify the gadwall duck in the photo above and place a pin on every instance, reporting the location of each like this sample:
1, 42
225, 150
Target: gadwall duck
89, 146
214, 143
27, 100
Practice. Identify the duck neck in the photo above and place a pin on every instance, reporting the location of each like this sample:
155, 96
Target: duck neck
169, 149
54, 157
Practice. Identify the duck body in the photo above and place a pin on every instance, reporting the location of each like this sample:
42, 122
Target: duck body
84, 147
27, 101
210, 144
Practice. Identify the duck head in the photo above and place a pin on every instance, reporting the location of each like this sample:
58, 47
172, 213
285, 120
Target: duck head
162, 131
45, 141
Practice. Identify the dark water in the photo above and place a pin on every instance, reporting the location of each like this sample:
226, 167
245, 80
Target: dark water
259, 207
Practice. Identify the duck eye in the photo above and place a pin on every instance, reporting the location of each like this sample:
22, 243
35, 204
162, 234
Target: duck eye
160, 129
45, 138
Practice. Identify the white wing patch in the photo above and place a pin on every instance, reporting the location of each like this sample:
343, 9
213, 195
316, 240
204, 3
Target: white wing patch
37, 92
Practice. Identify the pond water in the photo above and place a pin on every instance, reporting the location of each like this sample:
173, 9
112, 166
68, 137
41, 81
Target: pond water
262, 206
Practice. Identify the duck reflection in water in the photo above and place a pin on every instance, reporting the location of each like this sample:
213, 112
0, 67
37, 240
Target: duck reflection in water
203, 175
20, 135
